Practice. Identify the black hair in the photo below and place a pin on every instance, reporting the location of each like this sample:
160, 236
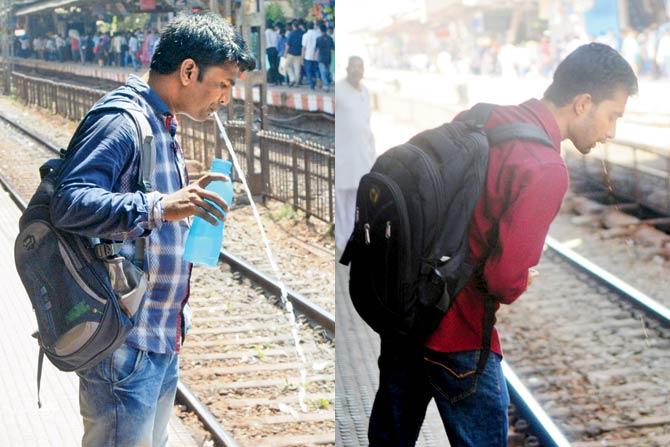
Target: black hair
322, 27
310, 25
206, 38
594, 68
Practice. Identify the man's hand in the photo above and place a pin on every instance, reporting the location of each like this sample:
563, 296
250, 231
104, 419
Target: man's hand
532, 273
190, 201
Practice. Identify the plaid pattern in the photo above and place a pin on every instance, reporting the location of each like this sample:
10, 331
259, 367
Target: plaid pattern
98, 196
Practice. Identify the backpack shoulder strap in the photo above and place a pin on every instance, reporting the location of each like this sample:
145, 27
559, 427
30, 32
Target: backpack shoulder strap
479, 115
147, 165
147, 152
518, 131
145, 138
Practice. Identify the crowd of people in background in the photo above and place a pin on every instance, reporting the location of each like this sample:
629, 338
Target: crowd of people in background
300, 52
648, 52
122, 49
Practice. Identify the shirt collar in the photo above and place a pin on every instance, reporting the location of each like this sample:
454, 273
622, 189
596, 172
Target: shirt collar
546, 119
155, 101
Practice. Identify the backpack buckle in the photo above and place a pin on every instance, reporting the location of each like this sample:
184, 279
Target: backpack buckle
103, 251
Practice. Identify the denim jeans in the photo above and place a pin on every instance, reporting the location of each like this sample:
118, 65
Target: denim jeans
131, 59
311, 68
126, 400
473, 408
326, 78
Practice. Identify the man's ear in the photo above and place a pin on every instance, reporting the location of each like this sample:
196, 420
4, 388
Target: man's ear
582, 103
188, 71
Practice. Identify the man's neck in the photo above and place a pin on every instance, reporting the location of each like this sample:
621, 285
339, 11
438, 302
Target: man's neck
160, 84
559, 115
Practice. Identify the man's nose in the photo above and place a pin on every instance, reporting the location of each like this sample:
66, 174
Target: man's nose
611, 133
225, 97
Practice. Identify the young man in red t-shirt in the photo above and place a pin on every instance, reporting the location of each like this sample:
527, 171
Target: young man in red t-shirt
524, 188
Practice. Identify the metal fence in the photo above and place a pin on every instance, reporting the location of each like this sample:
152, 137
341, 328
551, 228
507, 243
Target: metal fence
291, 170
298, 172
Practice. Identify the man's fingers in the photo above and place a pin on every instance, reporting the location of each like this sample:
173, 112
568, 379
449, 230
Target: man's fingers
214, 197
211, 209
200, 212
212, 177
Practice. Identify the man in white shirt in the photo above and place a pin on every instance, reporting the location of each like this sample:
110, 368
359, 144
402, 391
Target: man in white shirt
355, 148
38, 47
117, 42
50, 48
25, 46
309, 55
133, 47
271, 51
60, 48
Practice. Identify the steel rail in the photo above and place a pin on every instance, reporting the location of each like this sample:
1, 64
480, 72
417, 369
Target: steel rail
648, 305
23, 130
542, 425
220, 435
304, 306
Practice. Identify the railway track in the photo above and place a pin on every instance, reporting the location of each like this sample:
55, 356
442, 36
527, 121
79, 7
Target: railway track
593, 352
238, 368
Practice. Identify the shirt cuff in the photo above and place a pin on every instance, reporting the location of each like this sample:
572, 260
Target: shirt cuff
155, 208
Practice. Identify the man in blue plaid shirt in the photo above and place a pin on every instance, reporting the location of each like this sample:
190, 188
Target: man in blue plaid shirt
126, 400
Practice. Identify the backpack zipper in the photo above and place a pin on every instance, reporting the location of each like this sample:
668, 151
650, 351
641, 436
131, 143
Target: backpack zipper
399, 199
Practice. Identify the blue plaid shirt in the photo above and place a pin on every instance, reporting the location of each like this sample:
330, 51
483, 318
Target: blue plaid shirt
99, 196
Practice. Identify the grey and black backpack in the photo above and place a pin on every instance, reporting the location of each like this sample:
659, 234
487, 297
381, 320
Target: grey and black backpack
408, 251
85, 296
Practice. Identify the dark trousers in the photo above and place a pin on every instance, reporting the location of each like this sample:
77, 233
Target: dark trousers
273, 70
473, 408
311, 70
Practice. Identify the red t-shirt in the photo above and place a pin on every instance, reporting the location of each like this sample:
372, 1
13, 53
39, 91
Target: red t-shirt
525, 185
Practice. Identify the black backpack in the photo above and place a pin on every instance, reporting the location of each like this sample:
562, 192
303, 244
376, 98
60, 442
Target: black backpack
85, 297
409, 248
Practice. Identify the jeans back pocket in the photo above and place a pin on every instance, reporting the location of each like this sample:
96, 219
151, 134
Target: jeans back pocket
452, 374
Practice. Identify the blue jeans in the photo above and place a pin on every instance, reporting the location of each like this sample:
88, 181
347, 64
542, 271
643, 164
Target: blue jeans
326, 78
311, 68
473, 408
131, 59
126, 400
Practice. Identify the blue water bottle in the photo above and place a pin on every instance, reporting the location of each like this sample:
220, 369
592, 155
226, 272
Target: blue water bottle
204, 240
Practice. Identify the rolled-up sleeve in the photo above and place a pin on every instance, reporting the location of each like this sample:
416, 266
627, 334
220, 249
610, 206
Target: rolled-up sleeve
522, 230
87, 201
